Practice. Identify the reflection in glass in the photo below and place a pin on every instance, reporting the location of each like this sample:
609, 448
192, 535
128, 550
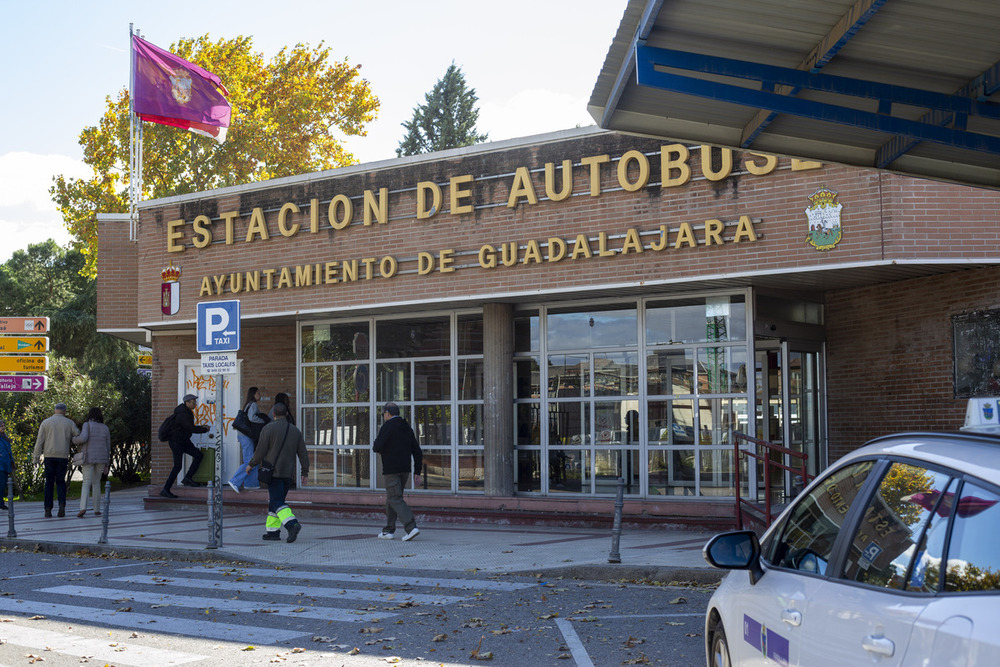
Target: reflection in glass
715, 468
354, 468
528, 470
671, 422
569, 423
610, 464
670, 372
589, 329
569, 375
471, 468
470, 426
393, 382
722, 370
529, 424
526, 332
470, 334
616, 374
569, 471
925, 573
353, 383
320, 467
431, 380
317, 426
470, 379
432, 425
436, 470
807, 535
527, 378
697, 320
335, 342
974, 550
353, 426
413, 338
883, 545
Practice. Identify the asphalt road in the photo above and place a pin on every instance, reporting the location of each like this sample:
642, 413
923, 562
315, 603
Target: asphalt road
65, 610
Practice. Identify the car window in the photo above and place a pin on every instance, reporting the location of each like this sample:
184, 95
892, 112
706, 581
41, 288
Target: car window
806, 538
893, 524
974, 550
925, 574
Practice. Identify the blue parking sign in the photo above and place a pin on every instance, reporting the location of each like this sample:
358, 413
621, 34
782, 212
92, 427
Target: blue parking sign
219, 326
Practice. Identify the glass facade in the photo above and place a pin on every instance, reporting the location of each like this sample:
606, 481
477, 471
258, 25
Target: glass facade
648, 390
432, 367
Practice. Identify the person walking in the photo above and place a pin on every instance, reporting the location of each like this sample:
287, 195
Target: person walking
397, 444
282, 397
6, 463
55, 436
243, 477
180, 444
280, 443
96, 440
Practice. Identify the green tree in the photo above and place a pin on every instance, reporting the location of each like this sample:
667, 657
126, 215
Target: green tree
447, 119
286, 112
86, 368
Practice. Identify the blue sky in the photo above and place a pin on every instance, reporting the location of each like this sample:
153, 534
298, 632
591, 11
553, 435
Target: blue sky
532, 63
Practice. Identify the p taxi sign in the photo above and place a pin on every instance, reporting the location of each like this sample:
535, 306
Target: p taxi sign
218, 326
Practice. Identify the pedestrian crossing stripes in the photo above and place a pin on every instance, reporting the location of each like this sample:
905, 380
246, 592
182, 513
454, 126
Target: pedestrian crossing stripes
285, 589
428, 582
220, 604
260, 606
98, 650
129, 619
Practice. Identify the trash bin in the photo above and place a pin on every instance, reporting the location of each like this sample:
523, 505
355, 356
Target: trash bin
206, 471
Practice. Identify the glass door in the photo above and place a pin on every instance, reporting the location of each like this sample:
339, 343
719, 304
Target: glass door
789, 409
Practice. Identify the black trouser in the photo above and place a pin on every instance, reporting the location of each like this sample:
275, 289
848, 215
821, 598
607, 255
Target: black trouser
179, 449
55, 473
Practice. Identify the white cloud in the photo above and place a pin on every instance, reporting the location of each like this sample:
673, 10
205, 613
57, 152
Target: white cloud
27, 213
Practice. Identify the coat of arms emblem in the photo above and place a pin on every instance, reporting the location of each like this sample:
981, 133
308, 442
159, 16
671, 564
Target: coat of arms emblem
180, 86
170, 290
824, 219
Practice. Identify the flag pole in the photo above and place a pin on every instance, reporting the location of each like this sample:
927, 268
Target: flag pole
135, 148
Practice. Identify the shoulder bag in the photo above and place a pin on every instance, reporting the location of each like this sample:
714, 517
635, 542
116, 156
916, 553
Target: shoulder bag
266, 470
242, 423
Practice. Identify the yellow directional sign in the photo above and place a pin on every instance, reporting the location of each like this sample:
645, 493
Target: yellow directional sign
24, 345
24, 325
145, 360
24, 364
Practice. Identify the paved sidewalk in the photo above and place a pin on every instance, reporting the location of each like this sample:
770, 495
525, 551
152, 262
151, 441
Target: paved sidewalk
182, 533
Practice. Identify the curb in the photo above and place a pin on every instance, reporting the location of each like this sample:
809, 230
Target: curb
112, 551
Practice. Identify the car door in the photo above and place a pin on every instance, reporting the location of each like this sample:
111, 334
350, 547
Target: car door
958, 627
868, 611
775, 625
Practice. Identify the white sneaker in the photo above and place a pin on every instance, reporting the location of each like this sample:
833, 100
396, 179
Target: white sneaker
382, 535
410, 535
233, 487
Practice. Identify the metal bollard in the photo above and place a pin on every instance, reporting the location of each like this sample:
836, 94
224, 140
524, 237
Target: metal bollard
105, 511
10, 507
213, 541
616, 529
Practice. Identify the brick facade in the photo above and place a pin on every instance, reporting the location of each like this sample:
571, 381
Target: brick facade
889, 354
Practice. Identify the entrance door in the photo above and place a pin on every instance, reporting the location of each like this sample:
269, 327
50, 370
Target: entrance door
789, 406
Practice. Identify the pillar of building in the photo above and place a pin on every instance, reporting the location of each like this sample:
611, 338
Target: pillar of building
498, 399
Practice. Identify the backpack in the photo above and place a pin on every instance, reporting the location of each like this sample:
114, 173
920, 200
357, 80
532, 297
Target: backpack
166, 429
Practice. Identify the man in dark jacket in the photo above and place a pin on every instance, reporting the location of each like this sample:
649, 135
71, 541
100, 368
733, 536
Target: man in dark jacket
280, 443
397, 444
180, 444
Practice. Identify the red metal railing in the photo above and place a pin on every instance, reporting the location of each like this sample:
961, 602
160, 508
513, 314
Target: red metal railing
762, 451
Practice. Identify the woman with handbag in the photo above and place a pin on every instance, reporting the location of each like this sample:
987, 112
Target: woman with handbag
248, 440
93, 456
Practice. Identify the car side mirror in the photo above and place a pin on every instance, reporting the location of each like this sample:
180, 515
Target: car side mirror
738, 550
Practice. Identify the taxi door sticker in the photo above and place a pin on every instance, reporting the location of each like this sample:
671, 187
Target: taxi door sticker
765, 640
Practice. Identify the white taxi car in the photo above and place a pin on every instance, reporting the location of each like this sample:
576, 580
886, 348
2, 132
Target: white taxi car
890, 557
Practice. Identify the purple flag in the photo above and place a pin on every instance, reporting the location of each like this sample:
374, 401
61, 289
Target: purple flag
172, 91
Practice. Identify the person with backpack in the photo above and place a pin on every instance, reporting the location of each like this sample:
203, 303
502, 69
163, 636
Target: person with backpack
181, 430
244, 475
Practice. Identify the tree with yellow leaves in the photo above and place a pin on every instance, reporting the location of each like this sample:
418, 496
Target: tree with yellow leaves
286, 114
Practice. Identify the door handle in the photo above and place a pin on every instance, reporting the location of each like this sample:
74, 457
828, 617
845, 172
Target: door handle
791, 617
878, 645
